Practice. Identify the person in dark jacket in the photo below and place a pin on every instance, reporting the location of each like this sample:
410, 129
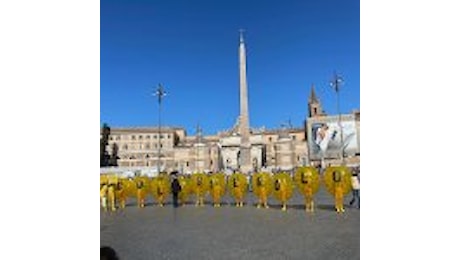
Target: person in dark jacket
175, 188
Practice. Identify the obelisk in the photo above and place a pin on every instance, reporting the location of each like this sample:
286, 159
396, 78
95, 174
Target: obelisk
245, 145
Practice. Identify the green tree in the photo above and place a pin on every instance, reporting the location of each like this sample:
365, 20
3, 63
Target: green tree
114, 157
104, 155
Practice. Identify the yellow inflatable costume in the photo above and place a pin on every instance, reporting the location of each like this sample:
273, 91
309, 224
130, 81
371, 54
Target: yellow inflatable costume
103, 191
338, 183
283, 187
142, 186
307, 180
200, 186
111, 193
186, 189
262, 184
122, 192
129, 188
217, 185
238, 184
160, 187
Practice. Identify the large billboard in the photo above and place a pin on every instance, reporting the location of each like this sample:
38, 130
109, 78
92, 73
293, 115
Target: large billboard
325, 138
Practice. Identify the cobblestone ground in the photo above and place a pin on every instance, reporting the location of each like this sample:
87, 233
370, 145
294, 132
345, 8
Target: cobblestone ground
228, 232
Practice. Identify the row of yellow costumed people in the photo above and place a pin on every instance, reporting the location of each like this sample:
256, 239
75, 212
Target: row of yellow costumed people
114, 190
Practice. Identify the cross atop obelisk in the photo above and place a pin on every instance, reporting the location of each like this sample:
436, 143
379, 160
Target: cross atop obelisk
245, 146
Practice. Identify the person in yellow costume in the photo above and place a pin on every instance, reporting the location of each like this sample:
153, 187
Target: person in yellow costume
185, 184
338, 193
307, 180
283, 188
111, 196
161, 188
200, 183
238, 185
141, 187
262, 184
111, 192
103, 193
121, 194
338, 183
217, 184
129, 189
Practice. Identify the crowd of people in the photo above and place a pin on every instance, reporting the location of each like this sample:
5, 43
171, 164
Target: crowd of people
338, 180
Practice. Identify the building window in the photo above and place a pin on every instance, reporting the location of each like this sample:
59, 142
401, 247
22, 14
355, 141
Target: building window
293, 137
155, 136
125, 147
140, 137
169, 136
147, 146
269, 139
161, 136
111, 138
186, 163
147, 136
133, 137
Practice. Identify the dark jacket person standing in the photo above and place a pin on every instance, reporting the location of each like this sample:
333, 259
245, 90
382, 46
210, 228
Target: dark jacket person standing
176, 188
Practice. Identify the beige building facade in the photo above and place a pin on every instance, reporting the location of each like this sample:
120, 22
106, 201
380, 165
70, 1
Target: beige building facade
174, 150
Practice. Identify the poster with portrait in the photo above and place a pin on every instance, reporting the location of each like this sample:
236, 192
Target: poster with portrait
325, 139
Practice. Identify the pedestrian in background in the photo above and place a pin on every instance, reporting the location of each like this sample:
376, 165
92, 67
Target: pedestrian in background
175, 188
355, 186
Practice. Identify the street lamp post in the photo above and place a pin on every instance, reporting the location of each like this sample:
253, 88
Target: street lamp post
335, 83
160, 93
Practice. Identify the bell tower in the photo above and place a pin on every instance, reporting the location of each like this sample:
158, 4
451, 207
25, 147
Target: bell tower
314, 106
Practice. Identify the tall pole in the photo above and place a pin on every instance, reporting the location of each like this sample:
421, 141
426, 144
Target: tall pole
160, 93
335, 84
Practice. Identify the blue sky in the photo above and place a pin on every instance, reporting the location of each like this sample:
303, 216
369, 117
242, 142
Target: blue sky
191, 47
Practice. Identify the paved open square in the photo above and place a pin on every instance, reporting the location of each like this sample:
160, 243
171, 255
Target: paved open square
229, 232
